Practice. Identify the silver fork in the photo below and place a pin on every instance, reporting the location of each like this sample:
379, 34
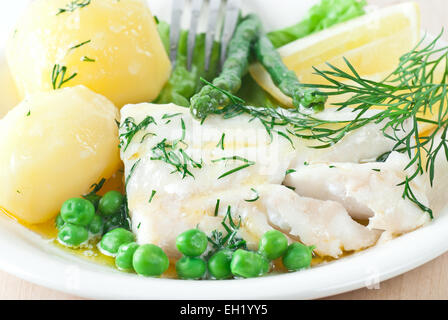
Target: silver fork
231, 13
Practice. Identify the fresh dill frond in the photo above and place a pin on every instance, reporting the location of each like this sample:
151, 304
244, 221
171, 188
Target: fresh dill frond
230, 240
407, 94
58, 76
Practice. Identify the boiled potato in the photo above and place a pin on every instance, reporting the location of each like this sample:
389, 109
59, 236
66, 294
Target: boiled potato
54, 146
112, 46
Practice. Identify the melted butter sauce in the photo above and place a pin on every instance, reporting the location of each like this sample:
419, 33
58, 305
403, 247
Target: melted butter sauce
91, 253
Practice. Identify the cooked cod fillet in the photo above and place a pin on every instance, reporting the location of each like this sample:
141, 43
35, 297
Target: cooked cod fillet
324, 224
164, 201
368, 191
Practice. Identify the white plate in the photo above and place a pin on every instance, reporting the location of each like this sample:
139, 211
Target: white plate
28, 256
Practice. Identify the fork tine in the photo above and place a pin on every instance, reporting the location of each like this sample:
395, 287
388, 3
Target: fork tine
176, 14
195, 13
231, 20
213, 13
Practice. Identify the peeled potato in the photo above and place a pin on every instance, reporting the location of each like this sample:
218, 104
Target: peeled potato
54, 146
112, 46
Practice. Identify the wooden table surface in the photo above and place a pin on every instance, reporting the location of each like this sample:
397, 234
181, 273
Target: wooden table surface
430, 281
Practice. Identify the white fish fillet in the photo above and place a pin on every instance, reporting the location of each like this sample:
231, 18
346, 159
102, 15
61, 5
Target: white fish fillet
180, 204
367, 191
324, 224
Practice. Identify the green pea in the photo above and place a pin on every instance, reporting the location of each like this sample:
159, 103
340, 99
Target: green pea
190, 268
219, 264
72, 235
111, 241
298, 256
273, 244
59, 222
77, 211
248, 264
192, 243
125, 254
94, 199
149, 260
96, 225
110, 203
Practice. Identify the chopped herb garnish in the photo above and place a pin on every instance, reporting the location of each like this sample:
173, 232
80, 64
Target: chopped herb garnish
171, 115
73, 5
29, 113
248, 164
289, 171
80, 45
153, 193
377, 170
139, 224
87, 59
331, 167
176, 157
257, 196
230, 240
221, 142
132, 128
131, 172
58, 76
292, 188
217, 207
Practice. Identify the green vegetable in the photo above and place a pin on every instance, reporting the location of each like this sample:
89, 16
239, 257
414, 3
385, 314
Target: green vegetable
321, 16
298, 256
211, 98
110, 203
77, 211
190, 268
96, 225
219, 264
273, 244
94, 199
184, 83
125, 256
73, 235
286, 80
192, 242
111, 241
59, 222
149, 260
92, 196
248, 264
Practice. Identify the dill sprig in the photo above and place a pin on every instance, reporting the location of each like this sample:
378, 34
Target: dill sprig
58, 76
230, 240
132, 128
73, 5
407, 94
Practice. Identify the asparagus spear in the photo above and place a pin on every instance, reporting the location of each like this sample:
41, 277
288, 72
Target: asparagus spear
285, 79
210, 98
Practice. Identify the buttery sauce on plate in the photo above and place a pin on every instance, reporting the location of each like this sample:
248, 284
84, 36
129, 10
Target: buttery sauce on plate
90, 252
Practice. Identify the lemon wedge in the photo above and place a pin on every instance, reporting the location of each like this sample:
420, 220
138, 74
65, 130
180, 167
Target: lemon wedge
372, 43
